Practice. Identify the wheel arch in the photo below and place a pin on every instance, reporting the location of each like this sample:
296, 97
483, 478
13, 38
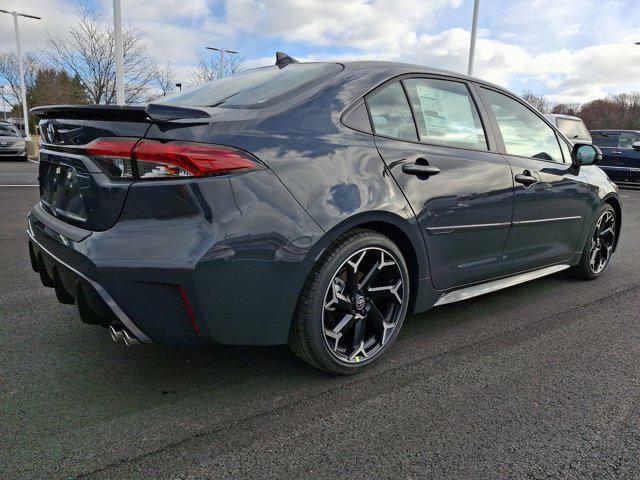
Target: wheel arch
617, 207
405, 233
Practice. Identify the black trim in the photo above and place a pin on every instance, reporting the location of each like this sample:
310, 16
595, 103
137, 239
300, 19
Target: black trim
66, 230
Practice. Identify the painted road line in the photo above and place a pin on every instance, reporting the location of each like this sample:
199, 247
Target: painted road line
25, 185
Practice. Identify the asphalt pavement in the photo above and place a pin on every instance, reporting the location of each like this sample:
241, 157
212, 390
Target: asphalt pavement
537, 381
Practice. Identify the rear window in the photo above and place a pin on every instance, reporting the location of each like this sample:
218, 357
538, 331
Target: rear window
255, 88
573, 129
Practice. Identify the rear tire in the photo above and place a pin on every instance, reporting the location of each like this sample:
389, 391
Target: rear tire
598, 248
352, 305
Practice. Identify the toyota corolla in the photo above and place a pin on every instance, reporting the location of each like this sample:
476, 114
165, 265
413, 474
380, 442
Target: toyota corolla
314, 204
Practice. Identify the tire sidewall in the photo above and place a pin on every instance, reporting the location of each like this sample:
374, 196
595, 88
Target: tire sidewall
345, 250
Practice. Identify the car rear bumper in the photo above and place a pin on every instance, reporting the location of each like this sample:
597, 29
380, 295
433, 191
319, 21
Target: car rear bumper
218, 260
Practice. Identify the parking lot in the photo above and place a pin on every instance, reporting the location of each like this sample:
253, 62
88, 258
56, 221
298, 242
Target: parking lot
540, 380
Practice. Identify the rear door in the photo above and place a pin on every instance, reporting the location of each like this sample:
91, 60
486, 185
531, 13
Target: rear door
429, 133
551, 197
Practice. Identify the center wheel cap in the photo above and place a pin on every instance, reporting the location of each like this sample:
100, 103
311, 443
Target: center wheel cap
359, 301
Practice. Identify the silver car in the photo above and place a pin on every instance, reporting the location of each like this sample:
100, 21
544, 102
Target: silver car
12, 144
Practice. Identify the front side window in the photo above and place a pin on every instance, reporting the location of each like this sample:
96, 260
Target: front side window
390, 113
445, 113
523, 132
573, 129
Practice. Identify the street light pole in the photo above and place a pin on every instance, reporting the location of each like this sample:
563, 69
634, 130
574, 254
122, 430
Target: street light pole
4, 106
222, 52
117, 33
474, 30
25, 113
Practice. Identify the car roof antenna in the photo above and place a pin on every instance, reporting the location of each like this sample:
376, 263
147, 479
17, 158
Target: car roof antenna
282, 59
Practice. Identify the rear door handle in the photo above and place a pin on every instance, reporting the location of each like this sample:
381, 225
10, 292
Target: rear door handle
420, 170
526, 178
616, 152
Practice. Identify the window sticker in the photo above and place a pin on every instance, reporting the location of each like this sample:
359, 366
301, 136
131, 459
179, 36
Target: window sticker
447, 114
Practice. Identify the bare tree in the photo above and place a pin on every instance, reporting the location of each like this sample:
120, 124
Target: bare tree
208, 68
10, 74
166, 78
89, 52
539, 102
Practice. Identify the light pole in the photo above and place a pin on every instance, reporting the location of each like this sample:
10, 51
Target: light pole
25, 116
222, 52
474, 30
4, 106
117, 33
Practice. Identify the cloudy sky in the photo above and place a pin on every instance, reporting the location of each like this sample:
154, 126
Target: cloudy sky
571, 50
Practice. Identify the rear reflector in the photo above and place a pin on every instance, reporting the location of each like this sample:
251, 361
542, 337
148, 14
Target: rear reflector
187, 307
183, 159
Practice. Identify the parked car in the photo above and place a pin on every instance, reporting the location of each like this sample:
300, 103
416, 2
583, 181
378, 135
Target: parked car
571, 127
12, 144
314, 204
620, 154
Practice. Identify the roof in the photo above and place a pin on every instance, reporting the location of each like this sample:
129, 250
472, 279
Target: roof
562, 115
613, 130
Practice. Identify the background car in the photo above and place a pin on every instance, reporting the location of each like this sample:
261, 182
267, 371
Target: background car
571, 127
314, 204
621, 154
12, 145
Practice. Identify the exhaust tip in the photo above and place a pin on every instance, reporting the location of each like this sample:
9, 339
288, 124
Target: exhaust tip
129, 339
116, 335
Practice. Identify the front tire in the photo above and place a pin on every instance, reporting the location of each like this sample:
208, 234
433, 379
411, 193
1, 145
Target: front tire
599, 246
352, 305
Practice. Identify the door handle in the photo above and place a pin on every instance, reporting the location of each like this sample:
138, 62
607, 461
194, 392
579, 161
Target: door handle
526, 178
421, 170
616, 152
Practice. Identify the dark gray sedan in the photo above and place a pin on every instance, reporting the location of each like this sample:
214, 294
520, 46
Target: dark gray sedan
314, 204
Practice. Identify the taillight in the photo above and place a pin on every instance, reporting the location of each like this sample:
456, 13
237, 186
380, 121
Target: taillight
119, 157
113, 155
183, 159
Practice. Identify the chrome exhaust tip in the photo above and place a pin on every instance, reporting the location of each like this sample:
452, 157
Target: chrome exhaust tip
129, 339
116, 335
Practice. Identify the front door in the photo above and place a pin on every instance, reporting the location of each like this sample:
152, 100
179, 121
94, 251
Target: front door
430, 136
551, 197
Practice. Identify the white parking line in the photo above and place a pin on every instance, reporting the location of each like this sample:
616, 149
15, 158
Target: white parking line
33, 161
25, 185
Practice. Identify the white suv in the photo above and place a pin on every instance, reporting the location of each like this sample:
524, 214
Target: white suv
571, 127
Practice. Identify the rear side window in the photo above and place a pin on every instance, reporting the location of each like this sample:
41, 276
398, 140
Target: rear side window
523, 132
390, 113
254, 88
627, 139
445, 113
573, 129
605, 139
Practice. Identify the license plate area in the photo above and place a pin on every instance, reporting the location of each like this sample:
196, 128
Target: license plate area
61, 191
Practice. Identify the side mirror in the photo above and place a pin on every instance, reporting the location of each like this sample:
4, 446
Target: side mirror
636, 145
585, 154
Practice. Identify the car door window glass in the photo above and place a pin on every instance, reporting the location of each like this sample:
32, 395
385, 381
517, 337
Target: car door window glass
626, 139
605, 139
445, 113
523, 132
566, 152
390, 113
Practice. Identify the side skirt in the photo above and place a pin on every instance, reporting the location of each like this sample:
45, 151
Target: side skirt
476, 290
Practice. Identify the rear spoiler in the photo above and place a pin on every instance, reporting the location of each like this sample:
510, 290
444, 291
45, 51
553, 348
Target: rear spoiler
152, 112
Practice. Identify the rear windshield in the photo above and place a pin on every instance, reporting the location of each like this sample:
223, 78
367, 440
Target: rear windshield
573, 129
254, 88
9, 131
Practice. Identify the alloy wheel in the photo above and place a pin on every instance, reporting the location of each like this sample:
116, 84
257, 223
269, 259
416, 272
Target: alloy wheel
602, 242
362, 305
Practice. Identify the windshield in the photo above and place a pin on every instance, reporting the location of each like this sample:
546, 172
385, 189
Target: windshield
573, 129
254, 88
9, 131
